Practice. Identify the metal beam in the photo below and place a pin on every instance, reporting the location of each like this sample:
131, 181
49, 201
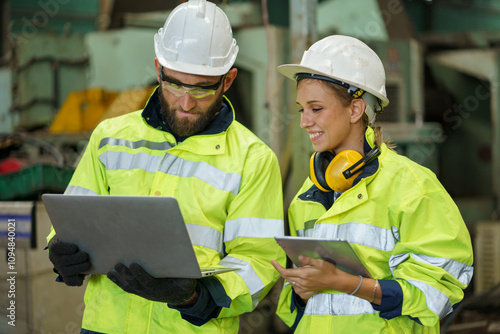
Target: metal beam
302, 26
495, 135
4, 28
303, 33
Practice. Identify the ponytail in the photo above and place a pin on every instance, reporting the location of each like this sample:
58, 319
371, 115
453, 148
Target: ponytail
379, 137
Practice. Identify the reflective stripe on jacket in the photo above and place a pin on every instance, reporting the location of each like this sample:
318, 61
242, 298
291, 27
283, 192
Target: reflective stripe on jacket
410, 235
228, 185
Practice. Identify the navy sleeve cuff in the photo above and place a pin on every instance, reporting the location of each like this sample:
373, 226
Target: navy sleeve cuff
392, 299
211, 298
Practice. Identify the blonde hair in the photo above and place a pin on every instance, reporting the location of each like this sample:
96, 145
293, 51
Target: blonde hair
345, 99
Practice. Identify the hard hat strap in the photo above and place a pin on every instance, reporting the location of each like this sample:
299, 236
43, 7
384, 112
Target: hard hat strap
352, 90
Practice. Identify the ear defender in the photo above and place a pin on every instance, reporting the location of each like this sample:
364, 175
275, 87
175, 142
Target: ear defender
338, 172
318, 164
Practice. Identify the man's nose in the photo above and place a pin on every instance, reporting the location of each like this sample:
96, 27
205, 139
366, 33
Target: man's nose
187, 102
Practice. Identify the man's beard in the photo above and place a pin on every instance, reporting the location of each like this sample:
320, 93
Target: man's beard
185, 127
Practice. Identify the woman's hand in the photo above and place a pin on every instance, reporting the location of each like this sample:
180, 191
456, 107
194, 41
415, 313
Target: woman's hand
315, 276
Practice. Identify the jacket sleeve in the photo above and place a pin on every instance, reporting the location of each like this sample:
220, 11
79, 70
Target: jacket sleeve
255, 217
431, 263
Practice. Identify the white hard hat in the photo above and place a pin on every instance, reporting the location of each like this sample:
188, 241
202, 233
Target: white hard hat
348, 60
197, 38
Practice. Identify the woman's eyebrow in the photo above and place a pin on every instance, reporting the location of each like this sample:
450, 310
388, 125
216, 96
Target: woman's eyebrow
310, 102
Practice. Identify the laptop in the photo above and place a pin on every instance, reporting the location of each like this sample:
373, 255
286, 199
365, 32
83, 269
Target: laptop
146, 230
336, 251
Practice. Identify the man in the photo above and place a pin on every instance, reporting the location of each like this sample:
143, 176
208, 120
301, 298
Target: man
185, 143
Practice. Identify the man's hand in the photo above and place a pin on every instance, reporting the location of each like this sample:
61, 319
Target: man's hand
136, 280
69, 262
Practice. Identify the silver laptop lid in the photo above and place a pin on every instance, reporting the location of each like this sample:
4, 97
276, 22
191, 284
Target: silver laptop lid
143, 229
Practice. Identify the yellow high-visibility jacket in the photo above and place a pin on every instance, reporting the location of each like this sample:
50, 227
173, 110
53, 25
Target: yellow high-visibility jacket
407, 231
228, 186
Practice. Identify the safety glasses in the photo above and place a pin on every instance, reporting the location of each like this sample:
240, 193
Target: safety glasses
179, 89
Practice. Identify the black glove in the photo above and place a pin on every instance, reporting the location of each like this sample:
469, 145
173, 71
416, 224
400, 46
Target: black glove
136, 280
69, 262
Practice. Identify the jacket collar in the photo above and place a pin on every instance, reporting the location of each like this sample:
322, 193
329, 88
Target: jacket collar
368, 145
152, 114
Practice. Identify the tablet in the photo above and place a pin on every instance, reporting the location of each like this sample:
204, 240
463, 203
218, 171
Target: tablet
146, 230
338, 252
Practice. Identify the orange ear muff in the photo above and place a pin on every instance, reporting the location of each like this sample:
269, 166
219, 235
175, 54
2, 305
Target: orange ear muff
318, 164
334, 173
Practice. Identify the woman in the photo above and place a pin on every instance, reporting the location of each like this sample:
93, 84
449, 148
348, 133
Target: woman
397, 216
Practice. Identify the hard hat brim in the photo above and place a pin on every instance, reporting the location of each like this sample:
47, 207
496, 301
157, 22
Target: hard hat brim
291, 70
193, 69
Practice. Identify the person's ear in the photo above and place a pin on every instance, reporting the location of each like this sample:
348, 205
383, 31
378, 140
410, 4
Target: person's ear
230, 76
158, 69
357, 109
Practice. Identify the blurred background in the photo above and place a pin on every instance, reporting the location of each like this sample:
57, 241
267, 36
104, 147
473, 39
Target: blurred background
65, 65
